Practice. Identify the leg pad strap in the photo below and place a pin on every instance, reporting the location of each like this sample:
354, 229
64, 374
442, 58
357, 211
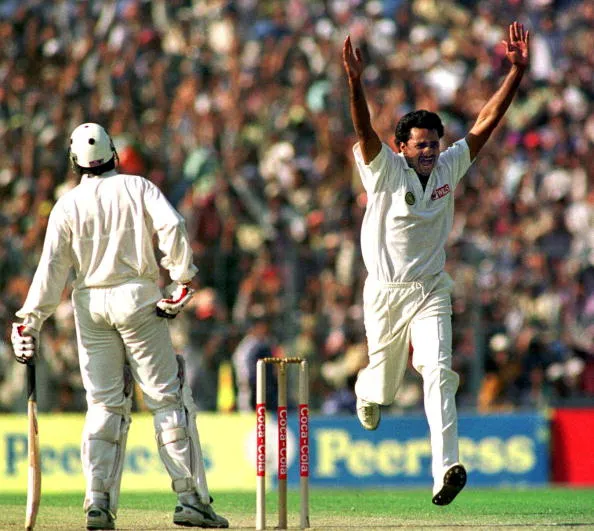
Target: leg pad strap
172, 435
183, 484
99, 485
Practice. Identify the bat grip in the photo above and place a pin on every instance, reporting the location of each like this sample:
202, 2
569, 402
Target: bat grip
31, 384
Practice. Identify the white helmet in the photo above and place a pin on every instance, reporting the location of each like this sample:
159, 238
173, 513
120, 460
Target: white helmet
90, 146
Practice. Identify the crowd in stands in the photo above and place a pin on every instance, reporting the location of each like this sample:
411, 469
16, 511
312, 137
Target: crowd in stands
238, 111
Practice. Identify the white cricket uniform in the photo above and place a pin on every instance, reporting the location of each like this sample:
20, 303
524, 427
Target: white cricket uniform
103, 229
407, 293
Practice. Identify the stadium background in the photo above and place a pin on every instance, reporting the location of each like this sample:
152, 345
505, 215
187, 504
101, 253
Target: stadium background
238, 111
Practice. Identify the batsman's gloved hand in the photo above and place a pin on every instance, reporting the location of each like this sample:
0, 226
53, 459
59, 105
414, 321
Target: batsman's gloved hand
25, 342
171, 306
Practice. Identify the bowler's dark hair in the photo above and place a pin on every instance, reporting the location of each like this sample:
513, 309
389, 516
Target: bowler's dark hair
421, 120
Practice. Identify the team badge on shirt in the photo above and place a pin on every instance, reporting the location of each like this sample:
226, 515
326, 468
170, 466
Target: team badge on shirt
410, 198
440, 192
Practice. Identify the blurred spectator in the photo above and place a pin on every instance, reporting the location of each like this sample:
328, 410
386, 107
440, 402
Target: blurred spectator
501, 372
341, 399
255, 346
209, 345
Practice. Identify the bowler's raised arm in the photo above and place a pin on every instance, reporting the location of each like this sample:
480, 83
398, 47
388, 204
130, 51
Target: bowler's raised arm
517, 51
369, 141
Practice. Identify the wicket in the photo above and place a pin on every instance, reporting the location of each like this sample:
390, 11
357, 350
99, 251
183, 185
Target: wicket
282, 419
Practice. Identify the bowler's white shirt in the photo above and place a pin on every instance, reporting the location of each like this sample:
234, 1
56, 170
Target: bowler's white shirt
103, 228
405, 229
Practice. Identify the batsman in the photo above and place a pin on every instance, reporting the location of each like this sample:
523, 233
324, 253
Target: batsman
103, 231
409, 214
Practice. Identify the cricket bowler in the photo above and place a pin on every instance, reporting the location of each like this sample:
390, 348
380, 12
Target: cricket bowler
409, 214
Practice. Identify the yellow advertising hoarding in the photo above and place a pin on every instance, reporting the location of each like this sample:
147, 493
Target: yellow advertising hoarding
227, 444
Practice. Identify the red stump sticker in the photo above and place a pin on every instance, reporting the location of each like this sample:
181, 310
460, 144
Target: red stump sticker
261, 439
303, 440
282, 442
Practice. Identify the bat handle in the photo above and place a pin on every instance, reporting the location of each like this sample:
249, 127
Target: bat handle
31, 384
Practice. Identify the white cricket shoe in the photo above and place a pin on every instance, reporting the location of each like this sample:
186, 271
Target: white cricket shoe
198, 515
369, 414
454, 480
99, 518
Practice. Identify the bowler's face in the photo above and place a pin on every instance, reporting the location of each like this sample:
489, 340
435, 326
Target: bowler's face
422, 150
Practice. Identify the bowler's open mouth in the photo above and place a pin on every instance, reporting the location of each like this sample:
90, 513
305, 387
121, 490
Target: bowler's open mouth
426, 162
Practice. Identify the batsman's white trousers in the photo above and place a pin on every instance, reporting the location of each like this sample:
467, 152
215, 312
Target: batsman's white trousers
398, 315
115, 326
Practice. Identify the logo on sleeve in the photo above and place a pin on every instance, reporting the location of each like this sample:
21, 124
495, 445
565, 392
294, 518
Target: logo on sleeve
440, 192
409, 198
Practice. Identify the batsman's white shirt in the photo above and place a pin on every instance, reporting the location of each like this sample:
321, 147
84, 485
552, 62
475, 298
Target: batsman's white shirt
103, 228
405, 229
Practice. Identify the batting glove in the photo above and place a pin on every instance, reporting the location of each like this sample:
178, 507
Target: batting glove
170, 307
25, 342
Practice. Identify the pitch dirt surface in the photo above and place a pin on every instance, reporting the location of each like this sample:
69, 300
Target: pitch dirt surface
348, 510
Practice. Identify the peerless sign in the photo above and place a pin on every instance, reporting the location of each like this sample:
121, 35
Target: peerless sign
496, 449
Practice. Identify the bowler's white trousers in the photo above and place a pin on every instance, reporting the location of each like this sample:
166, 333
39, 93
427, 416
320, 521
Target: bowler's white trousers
398, 315
117, 326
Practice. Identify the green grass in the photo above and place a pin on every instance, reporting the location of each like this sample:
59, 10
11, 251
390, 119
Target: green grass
535, 508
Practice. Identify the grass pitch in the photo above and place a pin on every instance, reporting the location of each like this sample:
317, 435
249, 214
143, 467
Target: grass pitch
535, 508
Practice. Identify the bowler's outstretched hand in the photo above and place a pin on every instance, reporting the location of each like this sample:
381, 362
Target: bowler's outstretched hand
352, 60
517, 48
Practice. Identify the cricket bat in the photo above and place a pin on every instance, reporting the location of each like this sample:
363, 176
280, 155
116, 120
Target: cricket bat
34, 458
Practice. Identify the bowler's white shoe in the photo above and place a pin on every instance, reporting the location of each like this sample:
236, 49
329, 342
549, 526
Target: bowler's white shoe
454, 480
369, 414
